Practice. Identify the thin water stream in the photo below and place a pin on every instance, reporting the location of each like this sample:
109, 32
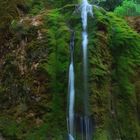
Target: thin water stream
86, 9
71, 91
85, 125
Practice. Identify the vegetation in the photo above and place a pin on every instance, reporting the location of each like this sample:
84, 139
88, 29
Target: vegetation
34, 60
110, 4
128, 8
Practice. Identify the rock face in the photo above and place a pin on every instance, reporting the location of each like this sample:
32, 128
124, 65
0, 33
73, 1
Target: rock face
34, 72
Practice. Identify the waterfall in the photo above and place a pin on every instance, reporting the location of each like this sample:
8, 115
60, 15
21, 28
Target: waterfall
71, 91
85, 121
85, 9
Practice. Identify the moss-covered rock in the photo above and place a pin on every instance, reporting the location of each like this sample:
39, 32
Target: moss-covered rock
34, 75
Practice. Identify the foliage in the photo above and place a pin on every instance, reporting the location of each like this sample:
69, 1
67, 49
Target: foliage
113, 60
126, 58
8, 12
128, 8
33, 102
57, 65
36, 6
110, 4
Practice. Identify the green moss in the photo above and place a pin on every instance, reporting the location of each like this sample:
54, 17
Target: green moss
39, 98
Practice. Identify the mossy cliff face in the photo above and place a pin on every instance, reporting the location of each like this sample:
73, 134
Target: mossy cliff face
34, 75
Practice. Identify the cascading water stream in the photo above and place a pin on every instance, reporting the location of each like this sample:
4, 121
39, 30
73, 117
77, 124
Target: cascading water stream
85, 9
71, 91
85, 122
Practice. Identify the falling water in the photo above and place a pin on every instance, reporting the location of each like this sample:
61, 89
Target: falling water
85, 122
85, 9
71, 91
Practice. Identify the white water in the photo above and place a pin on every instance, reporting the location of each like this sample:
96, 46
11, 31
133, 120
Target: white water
86, 9
71, 93
71, 137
